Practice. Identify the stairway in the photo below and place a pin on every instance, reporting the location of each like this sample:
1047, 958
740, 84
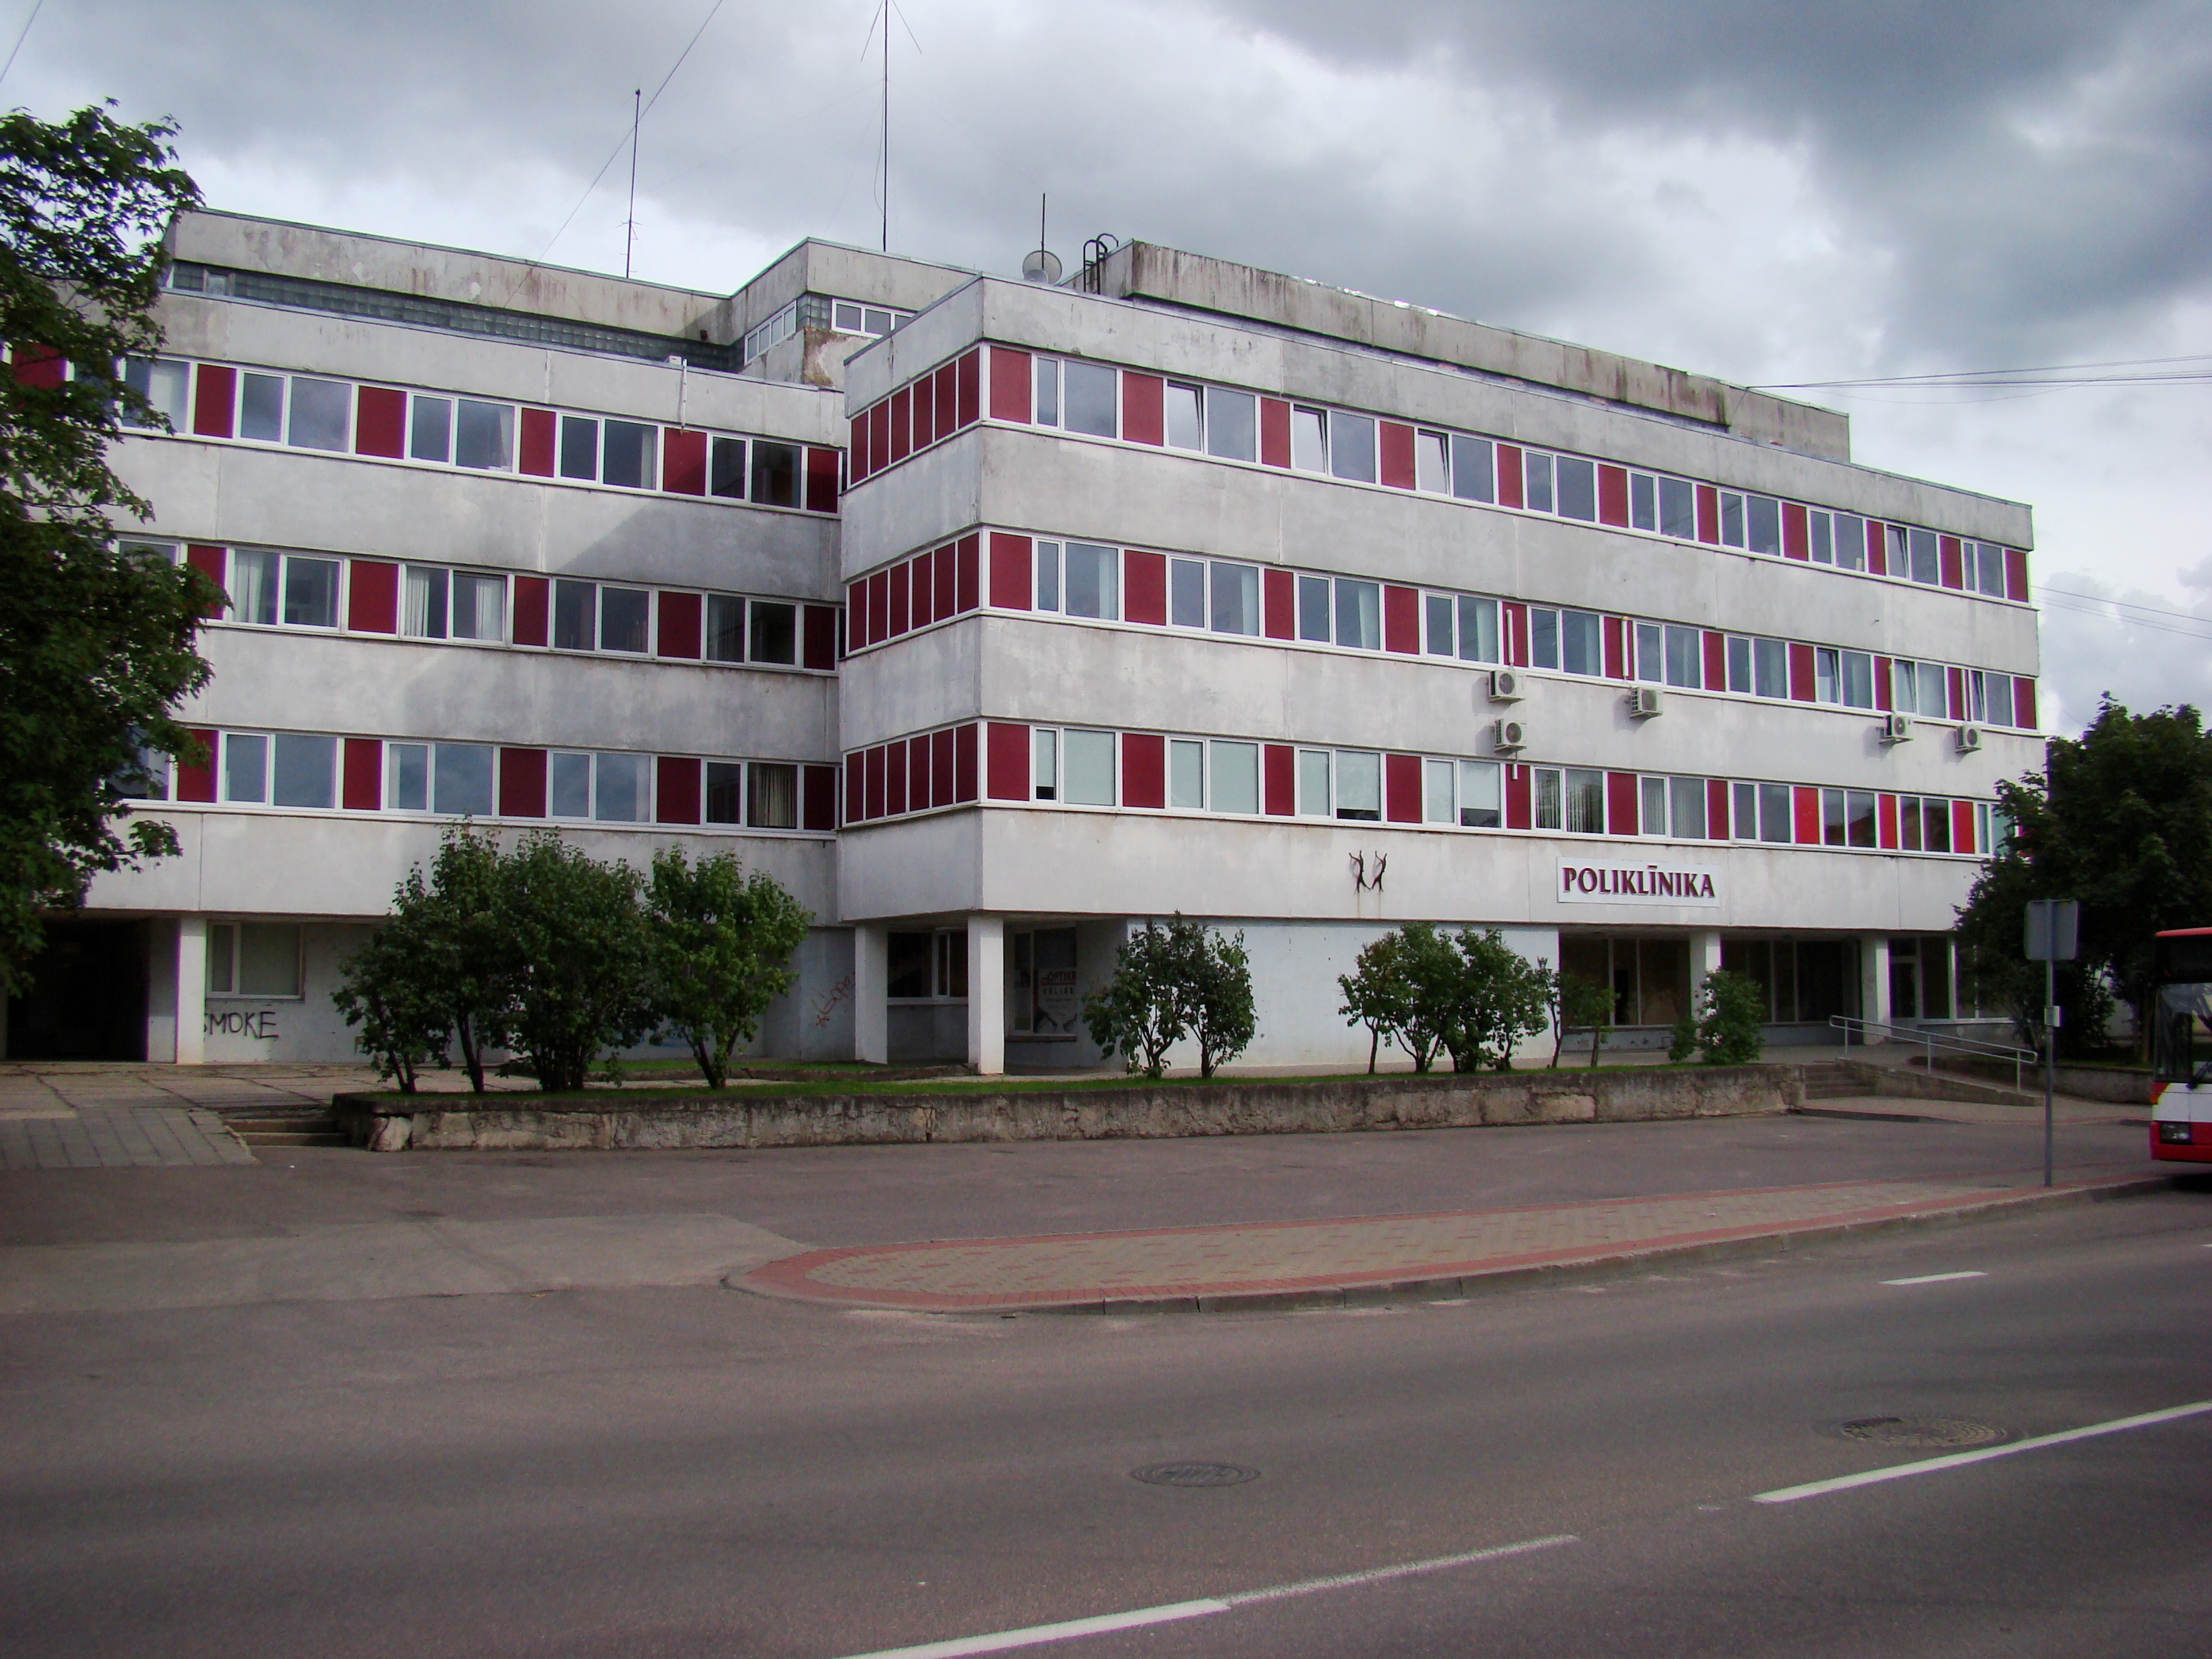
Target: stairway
285, 1126
1832, 1079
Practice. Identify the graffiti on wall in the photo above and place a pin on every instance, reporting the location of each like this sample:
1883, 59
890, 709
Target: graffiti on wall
242, 1021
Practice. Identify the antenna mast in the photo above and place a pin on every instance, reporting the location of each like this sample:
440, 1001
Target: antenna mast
887, 125
629, 225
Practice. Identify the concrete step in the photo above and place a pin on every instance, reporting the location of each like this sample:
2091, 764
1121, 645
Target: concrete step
295, 1137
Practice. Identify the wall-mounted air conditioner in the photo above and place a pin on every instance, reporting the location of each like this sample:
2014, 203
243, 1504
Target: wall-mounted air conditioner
1504, 685
1511, 738
1970, 740
1896, 728
1645, 700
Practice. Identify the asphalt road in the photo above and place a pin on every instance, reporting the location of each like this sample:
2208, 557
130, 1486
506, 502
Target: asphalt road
694, 1472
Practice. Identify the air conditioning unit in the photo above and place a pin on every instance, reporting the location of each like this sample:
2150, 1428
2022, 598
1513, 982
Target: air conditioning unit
1970, 740
1645, 700
1896, 728
1504, 685
1511, 738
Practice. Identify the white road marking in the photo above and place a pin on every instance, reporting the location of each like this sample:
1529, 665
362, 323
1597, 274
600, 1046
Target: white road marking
1957, 1460
1935, 1279
1036, 1635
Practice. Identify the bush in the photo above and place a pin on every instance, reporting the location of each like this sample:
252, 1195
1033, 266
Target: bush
721, 947
1404, 989
1502, 998
1579, 1005
578, 936
1725, 1027
1172, 982
404, 1027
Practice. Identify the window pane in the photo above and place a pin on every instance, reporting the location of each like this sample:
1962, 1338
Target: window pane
1763, 514
1359, 785
423, 612
1831, 818
1685, 658
847, 318
1088, 763
1678, 509
775, 474
1437, 611
569, 787
628, 461
725, 791
1313, 609
268, 959
430, 429
1437, 803
1236, 598
1850, 540
483, 435
261, 407
1187, 594
1653, 806
907, 968
772, 796
775, 633
253, 581
1048, 575
221, 957
575, 616
580, 448
1908, 822
725, 628
1044, 765
1775, 821
2000, 700
460, 780
407, 777
310, 593
1472, 478
1477, 630
480, 607
1688, 816
1773, 666
1359, 615
1824, 546
1547, 798
1309, 439
1431, 462
621, 797
1544, 637
1186, 774
1094, 582
303, 771
1235, 777
1577, 488
1924, 567
1183, 418
726, 468
163, 382
1731, 519
1582, 642
1536, 481
1990, 562
1934, 691
1093, 399
1585, 800
1650, 652
1746, 813
624, 618
1861, 814
244, 766
1905, 684
1643, 501
1481, 795
1048, 392
1738, 664
1858, 680
1893, 537
1351, 446
881, 322
1314, 800
1827, 676
1230, 424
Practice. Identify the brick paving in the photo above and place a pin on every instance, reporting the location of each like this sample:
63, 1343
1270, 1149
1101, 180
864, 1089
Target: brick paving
1191, 1265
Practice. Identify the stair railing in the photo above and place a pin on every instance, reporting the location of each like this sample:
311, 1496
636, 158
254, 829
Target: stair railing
2020, 1058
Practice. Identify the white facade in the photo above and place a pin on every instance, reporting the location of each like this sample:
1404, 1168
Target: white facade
1189, 593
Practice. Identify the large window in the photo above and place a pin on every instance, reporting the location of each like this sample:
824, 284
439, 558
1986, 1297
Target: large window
291, 588
253, 959
1231, 424
165, 383
1093, 400
1094, 580
1571, 640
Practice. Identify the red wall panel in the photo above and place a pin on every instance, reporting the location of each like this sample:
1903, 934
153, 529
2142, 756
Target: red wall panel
894, 780
1144, 408
821, 481
1145, 587
1274, 432
863, 455
1808, 815
1144, 770
1716, 662
1011, 561
361, 777
1508, 476
215, 396
1801, 684
2023, 704
380, 421
1401, 789
1401, 620
967, 578
901, 424
1885, 821
1278, 764
1717, 809
1279, 604
971, 387
818, 647
917, 774
210, 561
372, 596
1621, 804
875, 781
1796, 533
1612, 496
1519, 804
1709, 514
39, 366
683, 461
925, 413
819, 787
942, 778
1877, 548
1397, 446
1616, 649
856, 787
1883, 679
964, 762
535, 454
1009, 751
197, 782
1956, 702
1010, 384
900, 586
880, 607
1962, 827
1516, 618
2016, 575
1951, 562
522, 783
532, 595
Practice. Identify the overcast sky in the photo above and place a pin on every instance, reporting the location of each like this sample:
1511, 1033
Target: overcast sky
1766, 192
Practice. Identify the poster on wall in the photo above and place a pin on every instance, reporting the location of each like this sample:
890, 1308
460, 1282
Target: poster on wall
1056, 1002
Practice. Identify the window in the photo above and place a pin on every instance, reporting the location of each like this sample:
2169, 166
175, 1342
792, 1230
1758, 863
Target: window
1048, 575
1236, 598
1536, 481
430, 428
772, 796
1731, 519
146, 778
1643, 501
580, 448
1570, 640
1094, 400
303, 771
775, 633
245, 766
1850, 533
164, 383
1187, 594
1473, 478
1832, 824
775, 474
423, 612
1358, 614
483, 435
575, 616
1309, 439
1773, 668
1650, 652
1314, 801
1858, 680
568, 786
1925, 567
1313, 609
725, 791
1235, 777
1089, 765
1045, 765
1678, 509
1437, 805
1350, 446
1231, 429
1048, 392
255, 579
1763, 523
253, 959
622, 792
1546, 791
1652, 815
261, 407
1094, 580
311, 591
726, 468
1577, 488
1438, 612
1988, 569
1822, 536
460, 780
905, 976
725, 628
1775, 820
1186, 774
1920, 688
1478, 629
1687, 811
1482, 797
407, 777
1186, 419
1828, 676
1859, 817
1359, 785
479, 609
629, 455
850, 319
1584, 792
625, 619
1432, 462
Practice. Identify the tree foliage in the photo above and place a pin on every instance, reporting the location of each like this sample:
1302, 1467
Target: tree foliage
1579, 1005
1472, 998
581, 975
96, 641
1172, 982
1724, 1028
721, 945
1503, 997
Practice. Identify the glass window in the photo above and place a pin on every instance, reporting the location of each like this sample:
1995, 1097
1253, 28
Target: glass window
1643, 501
1472, 474
1922, 546
1358, 614
1678, 509
1431, 463
726, 468
1762, 519
1859, 813
1776, 822
1934, 699
726, 628
881, 322
1438, 611
1048, 392
1936, 825
1850, 540
1359, 785
1823, 535
580, 448
1650, 652
1437, 805
1548, 810
1309, 439
1350, 446
268, 959
1908, 822
1478, 629
775, 633
407, 777
303, 769
1773, 662
1313, 609
1731, 519
254, 578
163, 382
630, 455
221, 958
1585, 800
625, 619
1858, 680
479, 607
310, 593
1045, 764
1187, 592
430, 428
1828, 676
145, 778
1482, 797
1237, 599
575, 616
1652, 806
1746, 811
1894, 538
1536, 481
483, 435
1989, 566
1186, 774
775, 474
568, 787
622, 793
1048, 575
1093, 403
2002, 706
1685, 658
261, 407
1235, 777
846, 318
1314, 800
460, 780
1832, 824
1687, 796
1089, 763
1582, 642
1738, 664
725, 791
422, 613
772, 796
245, 766
1577, 488
1094, 582
1231, 425
1186, 422
1544, 637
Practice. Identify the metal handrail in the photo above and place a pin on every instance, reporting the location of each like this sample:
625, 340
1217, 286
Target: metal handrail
1847, 1023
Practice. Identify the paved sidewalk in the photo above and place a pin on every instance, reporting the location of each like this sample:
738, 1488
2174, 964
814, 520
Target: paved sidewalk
1447, 1252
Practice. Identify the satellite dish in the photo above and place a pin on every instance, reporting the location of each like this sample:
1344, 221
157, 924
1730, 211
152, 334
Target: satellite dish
1040, 266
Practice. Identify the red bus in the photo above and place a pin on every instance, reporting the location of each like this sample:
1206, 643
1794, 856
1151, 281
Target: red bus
2181, 1045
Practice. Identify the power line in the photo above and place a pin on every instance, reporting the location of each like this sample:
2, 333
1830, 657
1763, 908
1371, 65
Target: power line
2037, 374
2154, 616
37, 6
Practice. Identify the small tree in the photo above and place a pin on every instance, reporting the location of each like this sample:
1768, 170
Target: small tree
721, 946
1139, 1013
1725, 1026
384, 990
467, 956
1579, 1005
1217, 979
1375, 993
1503, 997
582, 982
1406, 987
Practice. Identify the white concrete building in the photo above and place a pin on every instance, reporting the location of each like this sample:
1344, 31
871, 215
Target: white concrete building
994, 618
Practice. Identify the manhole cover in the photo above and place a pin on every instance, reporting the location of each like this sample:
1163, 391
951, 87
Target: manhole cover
1194, 1474
1925, 1433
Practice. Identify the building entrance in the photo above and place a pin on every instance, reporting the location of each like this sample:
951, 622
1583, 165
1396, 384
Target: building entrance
87, 999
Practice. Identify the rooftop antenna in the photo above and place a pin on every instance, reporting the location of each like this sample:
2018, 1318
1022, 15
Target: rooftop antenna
886, 10
629, 225
1043, 265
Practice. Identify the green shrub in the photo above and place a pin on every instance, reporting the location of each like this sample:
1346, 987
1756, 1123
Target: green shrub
1170, 983
720, 945
1724, 1030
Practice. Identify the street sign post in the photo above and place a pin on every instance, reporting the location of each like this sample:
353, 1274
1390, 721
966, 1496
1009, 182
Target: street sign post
2054, 935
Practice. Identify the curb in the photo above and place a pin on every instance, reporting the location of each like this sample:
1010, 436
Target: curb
1612, 1265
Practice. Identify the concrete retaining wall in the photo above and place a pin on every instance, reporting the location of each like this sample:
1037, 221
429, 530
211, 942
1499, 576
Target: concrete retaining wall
2122, 1087
384, 1123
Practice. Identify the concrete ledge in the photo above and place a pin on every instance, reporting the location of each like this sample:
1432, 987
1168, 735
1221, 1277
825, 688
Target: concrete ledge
1140, 1111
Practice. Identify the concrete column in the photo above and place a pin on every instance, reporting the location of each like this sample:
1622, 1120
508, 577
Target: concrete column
986, 994
872, 965
192, 990
1874, 982
1705, 958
